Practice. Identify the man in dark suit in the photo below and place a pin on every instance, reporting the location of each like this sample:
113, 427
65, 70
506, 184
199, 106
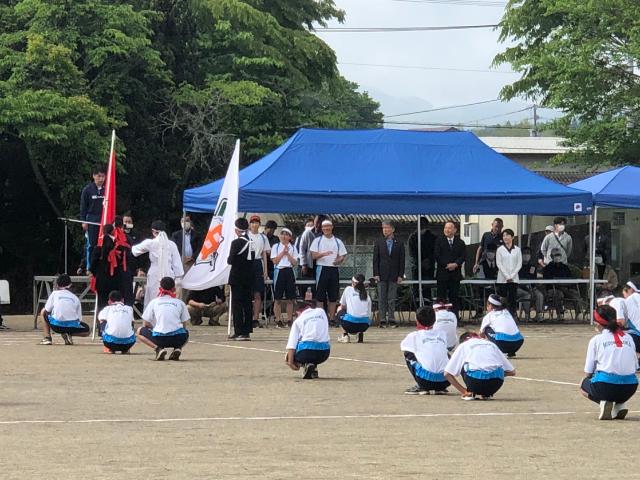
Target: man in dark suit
450, 253
192, 244
241, 281
388, 270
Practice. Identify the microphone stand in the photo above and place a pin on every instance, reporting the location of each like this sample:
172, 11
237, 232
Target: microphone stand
66, 236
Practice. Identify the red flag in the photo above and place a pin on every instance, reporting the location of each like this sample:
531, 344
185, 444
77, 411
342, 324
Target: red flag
109, 202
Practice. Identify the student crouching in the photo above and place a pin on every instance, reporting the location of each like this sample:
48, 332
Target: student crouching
308, 345
116, 323
499, 327
354, 311
62, 314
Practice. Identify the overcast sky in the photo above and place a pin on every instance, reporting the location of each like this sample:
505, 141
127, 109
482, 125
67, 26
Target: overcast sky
461, 49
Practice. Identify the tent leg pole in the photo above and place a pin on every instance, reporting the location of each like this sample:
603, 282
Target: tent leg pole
420, 296
355, 245
592, 261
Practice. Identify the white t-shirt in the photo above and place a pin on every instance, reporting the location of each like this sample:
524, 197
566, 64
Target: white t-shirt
447, 322
284, 261
603, 355
166, 314
500, 321
259, 244
64, 306
632, 304
355, 306
429, 347
620, 307
324, 244
477, 354
118, 317
311, 325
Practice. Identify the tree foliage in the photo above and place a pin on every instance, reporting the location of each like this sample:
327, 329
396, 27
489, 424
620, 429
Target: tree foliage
580, 56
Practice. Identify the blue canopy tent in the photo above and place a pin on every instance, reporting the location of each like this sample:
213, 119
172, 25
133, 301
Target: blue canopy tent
391, 172
616, 188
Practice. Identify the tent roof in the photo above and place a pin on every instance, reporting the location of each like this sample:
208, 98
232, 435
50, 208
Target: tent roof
385, 171
615, 188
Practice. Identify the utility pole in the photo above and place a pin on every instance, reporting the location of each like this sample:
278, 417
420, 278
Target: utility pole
534, 132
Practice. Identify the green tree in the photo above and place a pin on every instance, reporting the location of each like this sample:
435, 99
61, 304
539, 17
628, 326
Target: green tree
580, 56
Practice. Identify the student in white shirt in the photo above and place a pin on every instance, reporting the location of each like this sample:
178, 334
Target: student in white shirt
482, 366
509, 261
610, 366
329, 253
284, 257
354, 311
606, 297
163, 322
308, 344
260, 250
447, 322
116, 323
499, 327
632, 305
62, 314
425, 352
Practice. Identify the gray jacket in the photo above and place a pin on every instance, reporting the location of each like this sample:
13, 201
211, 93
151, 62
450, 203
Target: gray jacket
564, 243
305, 245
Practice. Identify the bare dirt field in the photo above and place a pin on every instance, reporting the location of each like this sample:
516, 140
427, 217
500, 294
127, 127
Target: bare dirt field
234, 410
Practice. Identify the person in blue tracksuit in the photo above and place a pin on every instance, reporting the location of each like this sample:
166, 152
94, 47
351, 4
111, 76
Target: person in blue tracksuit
91, 200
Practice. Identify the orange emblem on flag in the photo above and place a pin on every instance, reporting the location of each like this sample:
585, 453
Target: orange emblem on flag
212, 242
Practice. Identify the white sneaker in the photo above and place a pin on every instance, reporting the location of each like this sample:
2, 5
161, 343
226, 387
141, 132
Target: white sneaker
619, 411
605, 410
344, 338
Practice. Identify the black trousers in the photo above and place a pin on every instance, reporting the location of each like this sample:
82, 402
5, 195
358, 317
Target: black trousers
510, 291
486, 388
409, 359
610, 392
449, 289
242, 309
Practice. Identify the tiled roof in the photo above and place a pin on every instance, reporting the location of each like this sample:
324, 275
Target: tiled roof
565, 176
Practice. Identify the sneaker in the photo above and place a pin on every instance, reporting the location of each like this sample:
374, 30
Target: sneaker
605, 410
382, 325
619, 411
344, 338
67, 338
4, 327
393, 324
175, 354
361, 337
161, 354
415, 390
315, 373
232, 337
214, 323
242, 338
46, 341
279, 324
196, 321
468, 396
441, 392
309, 369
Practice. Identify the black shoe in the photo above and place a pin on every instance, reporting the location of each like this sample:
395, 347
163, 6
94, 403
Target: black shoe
242, 338
511, 355
4, 327
232, 337
161, 354
393, 324
315, 374
255, 324
309, 371
175, 354
361, 337
382, 325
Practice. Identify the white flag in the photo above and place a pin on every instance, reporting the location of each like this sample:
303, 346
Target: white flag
210, 268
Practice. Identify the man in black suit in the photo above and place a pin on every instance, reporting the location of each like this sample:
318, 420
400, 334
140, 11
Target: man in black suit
192, 244
388, 270
450, 253
241, 281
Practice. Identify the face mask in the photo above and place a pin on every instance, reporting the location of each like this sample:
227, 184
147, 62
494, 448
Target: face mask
557, 259
599, 261
128, 226
306, 229
526, 258
491, 257
186, 225
560, 228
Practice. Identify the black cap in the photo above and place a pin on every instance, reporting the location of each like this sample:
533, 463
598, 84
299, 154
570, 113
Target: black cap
242, 224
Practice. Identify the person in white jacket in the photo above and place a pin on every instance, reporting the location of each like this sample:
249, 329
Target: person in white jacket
164, 257
509, 261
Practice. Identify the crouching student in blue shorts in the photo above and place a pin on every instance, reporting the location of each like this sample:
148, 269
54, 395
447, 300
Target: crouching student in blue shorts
354, 311
499, 327
308, 344
116, 323
610, 366
425, 352
482, 366
163, 322
62, 314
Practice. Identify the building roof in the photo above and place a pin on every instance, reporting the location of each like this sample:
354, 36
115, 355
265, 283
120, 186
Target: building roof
564, 176
526, 145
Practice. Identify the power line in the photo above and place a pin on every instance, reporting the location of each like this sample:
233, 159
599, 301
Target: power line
503, 114
443, 108
474, 3
432, 124
419, 67
399, 29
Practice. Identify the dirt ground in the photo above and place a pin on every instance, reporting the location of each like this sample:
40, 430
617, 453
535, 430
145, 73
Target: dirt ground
234, 410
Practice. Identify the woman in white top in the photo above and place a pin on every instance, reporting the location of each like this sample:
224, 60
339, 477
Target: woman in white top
509, 262
632, 304
499, 327
164, 259
354, 311
308, 344
116, 323
610, 366
425, 352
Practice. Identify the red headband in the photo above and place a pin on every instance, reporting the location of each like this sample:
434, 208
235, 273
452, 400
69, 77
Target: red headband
162, 291
598, 318
616, 334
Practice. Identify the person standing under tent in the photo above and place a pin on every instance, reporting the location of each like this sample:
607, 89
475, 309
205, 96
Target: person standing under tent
189, 249
388, 270
308, 226
163, 322
482, 366
164, 259
270, 232
116, 324
91, 201
560, 240
610, 366
62, 314
447, 322
499, 327
426, 262
527, 293
492, 237
285, 258
425, 353
488, 271
558, 293
307, 262
241, 278
548, 230
632, 305
450, 254
509, 261
308, 345
261, 250
329, 253
354, 311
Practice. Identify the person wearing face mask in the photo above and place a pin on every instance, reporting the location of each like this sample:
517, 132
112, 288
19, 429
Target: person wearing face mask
127, 227
308, 229
559, 293
192, 242
528, 292
559, 240
488, 270
603, 247
164, 259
